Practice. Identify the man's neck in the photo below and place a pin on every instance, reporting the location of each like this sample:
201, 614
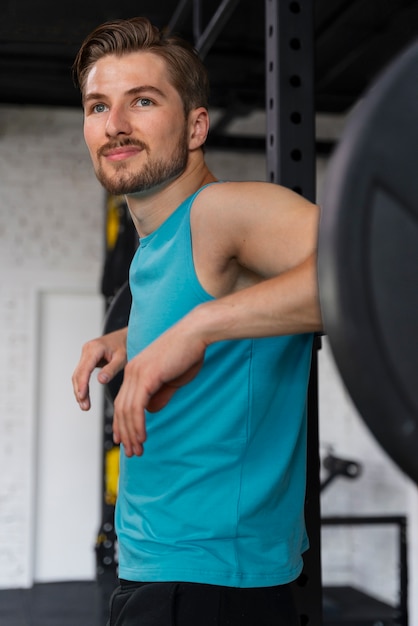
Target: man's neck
150, 209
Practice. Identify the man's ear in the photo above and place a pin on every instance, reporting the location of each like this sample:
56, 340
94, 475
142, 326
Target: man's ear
199, 127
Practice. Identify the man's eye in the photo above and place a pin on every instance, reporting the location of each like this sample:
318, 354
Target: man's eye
143, 102
99, 108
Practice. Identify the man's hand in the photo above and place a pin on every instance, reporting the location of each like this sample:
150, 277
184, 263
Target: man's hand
151, 379
108, 353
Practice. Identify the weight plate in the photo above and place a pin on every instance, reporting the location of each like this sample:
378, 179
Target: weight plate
368, 259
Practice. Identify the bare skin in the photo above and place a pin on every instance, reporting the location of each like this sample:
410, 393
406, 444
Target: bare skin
254, 244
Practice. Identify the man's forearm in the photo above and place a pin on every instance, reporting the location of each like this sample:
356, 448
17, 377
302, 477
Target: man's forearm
283, 305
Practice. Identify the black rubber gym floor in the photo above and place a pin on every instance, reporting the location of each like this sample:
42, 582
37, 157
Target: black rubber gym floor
54, 604
86, 604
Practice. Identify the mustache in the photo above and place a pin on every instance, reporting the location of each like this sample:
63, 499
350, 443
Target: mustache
121, 143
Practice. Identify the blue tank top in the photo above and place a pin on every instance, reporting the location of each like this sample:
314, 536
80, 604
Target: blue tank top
218, 495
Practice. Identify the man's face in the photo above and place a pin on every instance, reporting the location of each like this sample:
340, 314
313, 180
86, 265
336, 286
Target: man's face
134, 123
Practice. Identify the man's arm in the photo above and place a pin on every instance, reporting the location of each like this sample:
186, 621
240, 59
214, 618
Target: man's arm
286, 304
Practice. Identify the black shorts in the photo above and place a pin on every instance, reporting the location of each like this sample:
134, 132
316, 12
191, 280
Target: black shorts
194, 604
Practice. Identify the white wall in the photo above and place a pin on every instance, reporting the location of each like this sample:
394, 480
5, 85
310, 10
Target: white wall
51, 225
51, 214
68, 444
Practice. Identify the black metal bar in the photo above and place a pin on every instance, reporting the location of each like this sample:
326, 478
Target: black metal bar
179, 16
197, 19
216, 24
290, 113
290, 103
402, 618
223, 141
403, 573
203, 39
308, 588
360, 520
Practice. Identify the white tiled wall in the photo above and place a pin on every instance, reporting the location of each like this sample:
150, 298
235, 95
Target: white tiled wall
16, 339
50, 214
51, 225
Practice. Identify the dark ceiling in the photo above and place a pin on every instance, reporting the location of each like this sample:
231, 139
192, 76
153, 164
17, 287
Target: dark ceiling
354, 39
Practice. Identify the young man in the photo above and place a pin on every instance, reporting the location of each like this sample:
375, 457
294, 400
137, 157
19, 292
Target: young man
211, 415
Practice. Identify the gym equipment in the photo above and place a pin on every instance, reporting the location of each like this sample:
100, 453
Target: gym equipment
336, 466
368, 259
346, 605
117, 317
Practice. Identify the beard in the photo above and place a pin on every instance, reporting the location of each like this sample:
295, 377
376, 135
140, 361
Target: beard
153, 174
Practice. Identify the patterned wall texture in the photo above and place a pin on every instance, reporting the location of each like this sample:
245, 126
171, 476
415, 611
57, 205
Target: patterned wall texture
15, 444
51, 225
50, 217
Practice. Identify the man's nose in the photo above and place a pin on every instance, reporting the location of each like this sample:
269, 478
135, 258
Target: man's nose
118, 122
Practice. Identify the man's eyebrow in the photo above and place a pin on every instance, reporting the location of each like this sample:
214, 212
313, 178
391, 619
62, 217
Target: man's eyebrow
145, 89
93, 95
135, 91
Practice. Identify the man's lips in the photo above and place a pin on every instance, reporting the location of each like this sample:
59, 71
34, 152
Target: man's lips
121, 153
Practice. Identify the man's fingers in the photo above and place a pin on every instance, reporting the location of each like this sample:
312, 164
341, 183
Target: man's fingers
120, 434
84, 403
129, 421
82, 396
109, 371
89, 359
80, 382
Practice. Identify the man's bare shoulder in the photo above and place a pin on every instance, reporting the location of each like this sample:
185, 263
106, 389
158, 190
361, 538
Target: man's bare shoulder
229, 193
231, 200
